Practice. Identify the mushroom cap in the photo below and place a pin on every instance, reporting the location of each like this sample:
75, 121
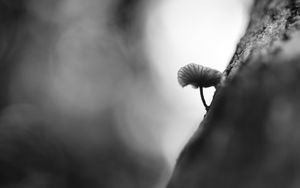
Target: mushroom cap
198, 76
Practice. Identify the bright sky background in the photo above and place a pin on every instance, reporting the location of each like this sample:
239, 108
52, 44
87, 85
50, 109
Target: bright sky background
185, 31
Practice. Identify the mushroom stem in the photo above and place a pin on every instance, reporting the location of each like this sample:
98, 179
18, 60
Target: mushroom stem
203, 99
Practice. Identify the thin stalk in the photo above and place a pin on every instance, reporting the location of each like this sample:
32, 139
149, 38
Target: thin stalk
203, 99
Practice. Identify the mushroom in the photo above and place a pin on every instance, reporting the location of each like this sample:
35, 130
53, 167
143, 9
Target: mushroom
198, 76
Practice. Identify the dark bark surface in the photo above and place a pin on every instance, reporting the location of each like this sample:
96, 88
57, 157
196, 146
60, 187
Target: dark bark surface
251, 135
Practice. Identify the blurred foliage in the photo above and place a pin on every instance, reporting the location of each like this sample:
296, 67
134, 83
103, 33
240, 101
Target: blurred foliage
73, 92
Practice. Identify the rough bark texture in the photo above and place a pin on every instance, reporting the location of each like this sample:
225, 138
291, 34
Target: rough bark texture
251, 135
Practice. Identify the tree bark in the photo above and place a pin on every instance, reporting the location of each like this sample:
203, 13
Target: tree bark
250, 137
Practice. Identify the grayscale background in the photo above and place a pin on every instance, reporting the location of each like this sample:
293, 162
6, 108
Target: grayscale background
89, 94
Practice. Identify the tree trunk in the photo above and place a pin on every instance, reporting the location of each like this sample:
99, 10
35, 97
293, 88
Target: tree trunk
250, 137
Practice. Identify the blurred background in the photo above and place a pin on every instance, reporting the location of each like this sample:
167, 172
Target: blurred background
89, 93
